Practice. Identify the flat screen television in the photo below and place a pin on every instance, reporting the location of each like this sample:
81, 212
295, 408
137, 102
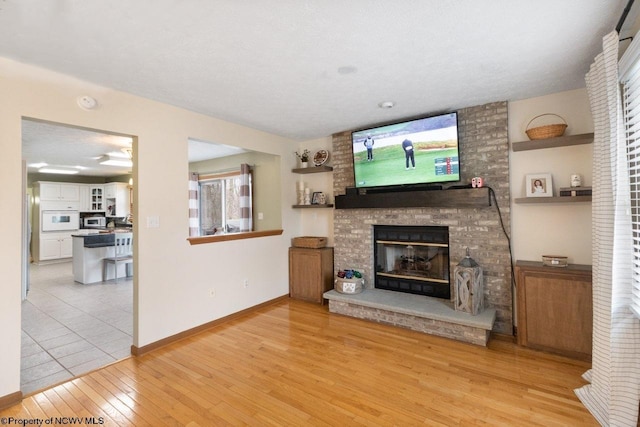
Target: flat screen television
420, 151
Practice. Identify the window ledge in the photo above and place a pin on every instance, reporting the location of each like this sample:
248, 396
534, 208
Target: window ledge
232, 236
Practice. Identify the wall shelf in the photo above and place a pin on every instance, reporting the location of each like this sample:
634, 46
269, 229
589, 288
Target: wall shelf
313, 169
452, 198
547, 200
561, 141
311, 206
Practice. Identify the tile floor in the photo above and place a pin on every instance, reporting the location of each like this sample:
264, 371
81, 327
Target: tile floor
69, 329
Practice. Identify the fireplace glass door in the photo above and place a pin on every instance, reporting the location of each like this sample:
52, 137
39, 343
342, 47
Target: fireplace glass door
412, 259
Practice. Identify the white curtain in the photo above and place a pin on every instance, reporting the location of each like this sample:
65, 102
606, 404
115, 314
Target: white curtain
246, 221
613, 393
194, 201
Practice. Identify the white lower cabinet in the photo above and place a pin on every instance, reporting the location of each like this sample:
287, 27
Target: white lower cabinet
55, 246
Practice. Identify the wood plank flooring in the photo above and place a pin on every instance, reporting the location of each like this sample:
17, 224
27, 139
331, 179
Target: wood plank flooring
293, 364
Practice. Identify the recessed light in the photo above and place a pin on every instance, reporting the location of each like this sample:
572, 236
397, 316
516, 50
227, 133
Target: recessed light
58, 171
110, 160
386, 104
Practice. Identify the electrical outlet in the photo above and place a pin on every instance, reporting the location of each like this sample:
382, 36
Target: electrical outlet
212, 293
246, 283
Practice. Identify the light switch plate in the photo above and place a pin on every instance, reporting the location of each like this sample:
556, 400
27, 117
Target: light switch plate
153, 221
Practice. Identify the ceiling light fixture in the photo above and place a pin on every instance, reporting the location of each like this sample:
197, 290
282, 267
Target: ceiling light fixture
58, 171
386, 104
110, 160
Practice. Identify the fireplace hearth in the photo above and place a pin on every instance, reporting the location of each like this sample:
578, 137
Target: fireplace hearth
412, 259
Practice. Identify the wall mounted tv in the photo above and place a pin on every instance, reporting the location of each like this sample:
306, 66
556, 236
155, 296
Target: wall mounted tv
421, 151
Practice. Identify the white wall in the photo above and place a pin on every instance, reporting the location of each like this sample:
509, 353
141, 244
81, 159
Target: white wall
551, 229
172, 279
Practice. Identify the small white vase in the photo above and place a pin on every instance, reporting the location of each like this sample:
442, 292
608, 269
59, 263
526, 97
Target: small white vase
304, 164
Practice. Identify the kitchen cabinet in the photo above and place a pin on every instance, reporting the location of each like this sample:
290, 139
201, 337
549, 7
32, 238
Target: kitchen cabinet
116, 199
96, 198
57, 191
555, 311
310, 273
52, 246
84, 197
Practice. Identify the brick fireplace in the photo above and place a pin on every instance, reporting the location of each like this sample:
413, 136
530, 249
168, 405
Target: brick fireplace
484, 151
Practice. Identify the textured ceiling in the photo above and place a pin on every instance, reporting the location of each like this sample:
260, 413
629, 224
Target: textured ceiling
309, 68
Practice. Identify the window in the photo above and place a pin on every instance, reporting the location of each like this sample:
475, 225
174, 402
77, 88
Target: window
630, 78
222, 209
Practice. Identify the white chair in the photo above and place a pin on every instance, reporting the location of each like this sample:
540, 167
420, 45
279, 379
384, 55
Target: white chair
123, 255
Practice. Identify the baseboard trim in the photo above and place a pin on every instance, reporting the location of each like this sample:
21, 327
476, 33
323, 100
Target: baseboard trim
10, 400
503, 337
139, 351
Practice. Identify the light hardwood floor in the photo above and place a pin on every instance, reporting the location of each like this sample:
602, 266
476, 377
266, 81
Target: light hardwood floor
293, 364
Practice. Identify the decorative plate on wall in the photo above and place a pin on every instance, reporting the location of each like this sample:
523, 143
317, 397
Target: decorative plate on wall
320, 157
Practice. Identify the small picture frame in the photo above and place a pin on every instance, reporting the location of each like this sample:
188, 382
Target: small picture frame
539, 185
318, 198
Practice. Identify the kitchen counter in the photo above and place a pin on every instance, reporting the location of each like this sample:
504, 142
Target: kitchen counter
88, 251
96, 240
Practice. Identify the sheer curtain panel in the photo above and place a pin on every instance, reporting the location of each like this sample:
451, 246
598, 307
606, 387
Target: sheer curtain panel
612, 395
630, 78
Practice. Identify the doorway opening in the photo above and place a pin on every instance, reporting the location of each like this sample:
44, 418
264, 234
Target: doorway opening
74, 319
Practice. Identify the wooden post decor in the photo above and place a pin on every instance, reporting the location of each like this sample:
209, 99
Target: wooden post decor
469, 286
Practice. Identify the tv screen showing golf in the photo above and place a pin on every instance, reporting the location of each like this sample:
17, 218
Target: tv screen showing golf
420, 151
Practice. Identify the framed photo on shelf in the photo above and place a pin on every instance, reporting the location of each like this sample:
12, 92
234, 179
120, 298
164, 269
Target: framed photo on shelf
318, 198
539, 185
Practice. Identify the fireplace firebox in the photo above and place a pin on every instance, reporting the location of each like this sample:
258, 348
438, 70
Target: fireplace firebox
412, 259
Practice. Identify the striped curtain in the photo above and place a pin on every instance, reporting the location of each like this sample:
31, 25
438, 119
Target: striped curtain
194, 201
246, 220
613, 393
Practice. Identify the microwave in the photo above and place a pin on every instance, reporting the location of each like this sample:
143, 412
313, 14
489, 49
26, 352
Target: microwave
95, 222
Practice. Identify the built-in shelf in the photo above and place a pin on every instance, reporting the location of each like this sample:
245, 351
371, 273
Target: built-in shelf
547, 200
313, 169
561, 141
312, 206
451, 198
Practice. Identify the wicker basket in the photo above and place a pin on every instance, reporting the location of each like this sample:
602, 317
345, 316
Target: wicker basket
312, 242
547, 131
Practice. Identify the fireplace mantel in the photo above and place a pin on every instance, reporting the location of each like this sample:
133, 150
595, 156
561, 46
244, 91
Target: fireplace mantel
449, 198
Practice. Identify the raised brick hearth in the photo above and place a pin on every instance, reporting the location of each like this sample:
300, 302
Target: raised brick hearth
432, 316
484, 151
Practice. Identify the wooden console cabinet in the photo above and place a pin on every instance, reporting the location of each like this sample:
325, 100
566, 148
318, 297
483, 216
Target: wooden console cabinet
555, 310
310, 273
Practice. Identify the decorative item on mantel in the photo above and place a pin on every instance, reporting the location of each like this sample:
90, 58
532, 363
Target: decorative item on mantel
349, 282
469, 286
304, 158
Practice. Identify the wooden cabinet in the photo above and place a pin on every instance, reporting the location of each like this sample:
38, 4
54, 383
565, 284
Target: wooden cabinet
310, 273
555, 310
